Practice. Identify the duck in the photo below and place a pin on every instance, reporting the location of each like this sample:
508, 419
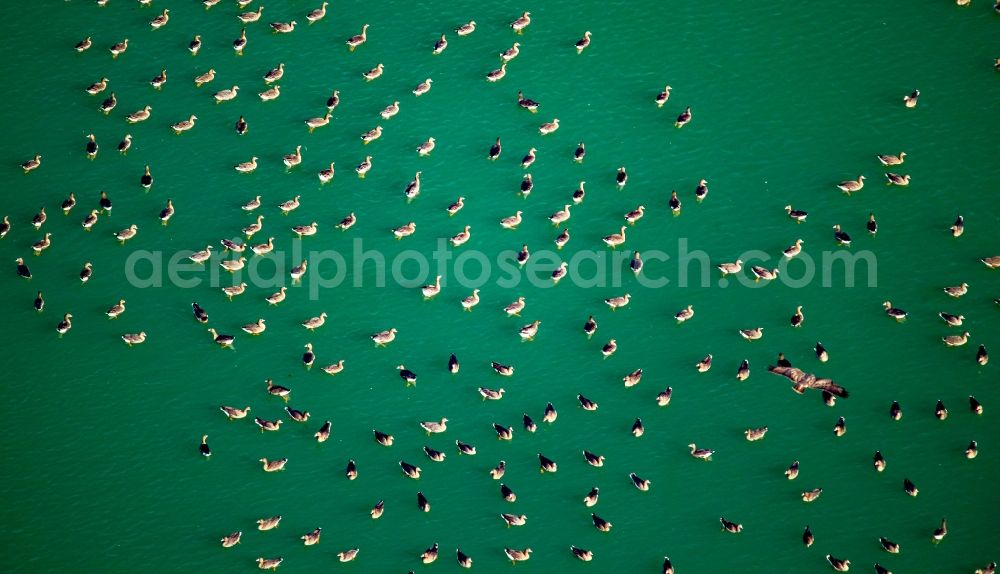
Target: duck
471, 301
701, 191
134, 338
314, 323
952, 320
119, 48
956, 340
167, 212
382, 438
684, 118
728, 526
579, 193
271, 523
972, 450
233, 413
635, 215
383, 338
896, 179
90, 220
97, 87
456, 206
39, 303
297, 415
283, 27
159, 79
293, 159
184, 125
435, 455
991, 262
958, 228
464, 448
640, 483
226, 95
514, 519
201, 256
523, 255
84, 45
559, 272
514, 308
115, 310
878, 461
705, 364
253, 228
42, 244
430, 555
497, 74
618, 302
510, 53
435, 427
982, 357
958, 290
755, 434
752, 334
600, 523
318, 122
549, 127
377, 510
528, 424
975, 406
364, 167
895, 313
348, 555
440, 45
87, 272
358, 39
842, 238
352, 470
910, 101
940, 411
798, 215
5, 225
390, 110
850, 186
269, 563
222, 340
290, 205
423, 504
663, 96
838, 564
374, 73
637, 428
701, 453
250, 17
529, 331
277, 297
195, 45
422, 88
230, 540
798, 318
527, 103
840, 429
888, 545
504, 370
674, 203
561, 216
426, 148
811, 495
792, 472
139, 115
582, 43
940, 532
664, 396
65, 325
410, 470
127, 233
615, 239
405, 230
511, 222
269, 94
274, 465
205, 78
461, 237
161, 20
730, 267
333, 101
593, 459
255, 328
326, 175
107, 105
888, 159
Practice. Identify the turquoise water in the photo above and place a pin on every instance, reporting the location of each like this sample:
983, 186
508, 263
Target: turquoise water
101, 440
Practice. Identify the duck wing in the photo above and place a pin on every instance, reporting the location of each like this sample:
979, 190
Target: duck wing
829, 386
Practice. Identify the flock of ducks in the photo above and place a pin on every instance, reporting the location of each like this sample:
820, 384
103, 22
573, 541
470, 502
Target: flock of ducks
801, 380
